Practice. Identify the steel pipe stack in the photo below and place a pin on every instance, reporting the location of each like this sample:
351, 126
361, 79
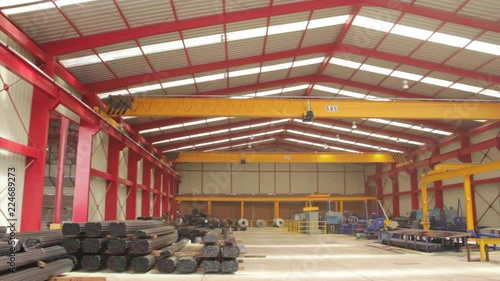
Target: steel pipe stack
143, 263
28, 258
210, 251
73, 228
187, 264
144, 246
38, 242
213, 236
170, 250
211, 265
96, 229
51, 269
3, 231
94, 262
166, 265
72, 245
122, 228
154, 232
229, 265
232, 251
94, 245
117, 246
5, 248
119, 263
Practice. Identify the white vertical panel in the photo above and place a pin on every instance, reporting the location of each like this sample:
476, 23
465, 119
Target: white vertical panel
387, 203
332, 182
122, 202
451, 197
485, 195
307, 167
218, 182
138, 203
245, 182
139, 171
370, 169
282, 183
151, 203
387, 185
304, 182
354, 182
404, 205
122, 171
266, 182
7, 160
97, 202
404, 181
191, 182
100, 151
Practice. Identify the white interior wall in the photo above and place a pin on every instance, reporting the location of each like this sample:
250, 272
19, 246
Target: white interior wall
121, 206
97, 199
12, 127
271, 178
100, 147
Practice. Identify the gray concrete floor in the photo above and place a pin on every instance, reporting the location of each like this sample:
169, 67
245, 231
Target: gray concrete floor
274, 254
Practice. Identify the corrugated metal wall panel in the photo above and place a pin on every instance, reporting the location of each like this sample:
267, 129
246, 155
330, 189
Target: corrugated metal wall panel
44, 25
95, 17
8, 160
14, 127
97, 202
146, 12
122, 171
196, 8
8, 41
100, 146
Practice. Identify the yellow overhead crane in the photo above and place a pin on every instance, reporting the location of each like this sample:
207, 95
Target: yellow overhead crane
302, 108
289, 157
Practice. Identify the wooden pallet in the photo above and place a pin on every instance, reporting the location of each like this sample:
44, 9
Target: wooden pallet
77, 279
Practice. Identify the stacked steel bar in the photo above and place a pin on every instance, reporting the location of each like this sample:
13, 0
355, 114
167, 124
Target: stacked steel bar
24, 259
118, 246
50, 270
119, 263
122, 228
150, 218
5, 248
3, 231
94, 245
190, 232
73, 228
153, 232
96, 229
143, 263
170, 250
187, 264
72, 245
213, 236
210, 251
166, 265
144, 246
229, 265
211, 265
93, 262
33, 243
232, 251
22, 236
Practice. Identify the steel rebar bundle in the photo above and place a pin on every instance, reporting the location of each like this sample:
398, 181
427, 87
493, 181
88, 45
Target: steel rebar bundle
94, 245
119, 246
210, 265
22, 236
96, 229
3, 231
150, 218
72, 245
229, 239
23, 259
122, 228
170, 250
229, 265
143, 263
5, 248
51, 269
73, 228
210, 251
213, 236
152, 232
93, 262
187, 264
230, 251
166, 265
144, 246
119, 263
35, 243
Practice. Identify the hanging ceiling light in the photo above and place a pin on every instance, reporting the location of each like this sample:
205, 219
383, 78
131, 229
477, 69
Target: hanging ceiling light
354, 126
338, 137
405, 85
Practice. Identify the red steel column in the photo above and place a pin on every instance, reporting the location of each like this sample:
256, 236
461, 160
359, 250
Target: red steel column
157, 197
395, 195
174, 189
146, 194
31, 215
63, 140
414, 189
83, 163
133, 158
438, 186
114, 148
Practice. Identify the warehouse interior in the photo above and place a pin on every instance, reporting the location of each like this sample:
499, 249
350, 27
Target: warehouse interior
324, 127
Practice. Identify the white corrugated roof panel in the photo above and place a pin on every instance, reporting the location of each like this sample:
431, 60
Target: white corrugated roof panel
363, 37
92, 73
283, 42
420, 22
289, 18
212, 85
331, 12
281, 2
395, 83
467, 59
490, 37
323, 35
182, 90
140, 13
304, 70
76, 55
232, 6
273, 75
161, 38
399, 45
381, 63
95, 17
424, 89
453, 94
129, 66
117, 47
243, 80
248, 24
367, 77
44, 26
492, 67
338, 71
446, 5
434, 52
245, 48
482, 9
207, 54
169, 60
460, 30
186, 9
203, 31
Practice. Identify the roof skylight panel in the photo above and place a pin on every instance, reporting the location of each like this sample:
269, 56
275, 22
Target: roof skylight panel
209, 78
399, 124
275, 67
330, 21
345, 63
491, 93
177, 83
484, 47
351, 94
413, 32
449, 40
375, 69
287, 27
10, 3
373, 24
379, 136
436, 82
416, 142
36, 6
440, 132
406, 75
466, 88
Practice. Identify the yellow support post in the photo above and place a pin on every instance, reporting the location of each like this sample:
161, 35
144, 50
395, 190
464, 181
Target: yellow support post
276, 209
336, 206
469, 215
242, 209
342, 207
209, 211
425, 205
